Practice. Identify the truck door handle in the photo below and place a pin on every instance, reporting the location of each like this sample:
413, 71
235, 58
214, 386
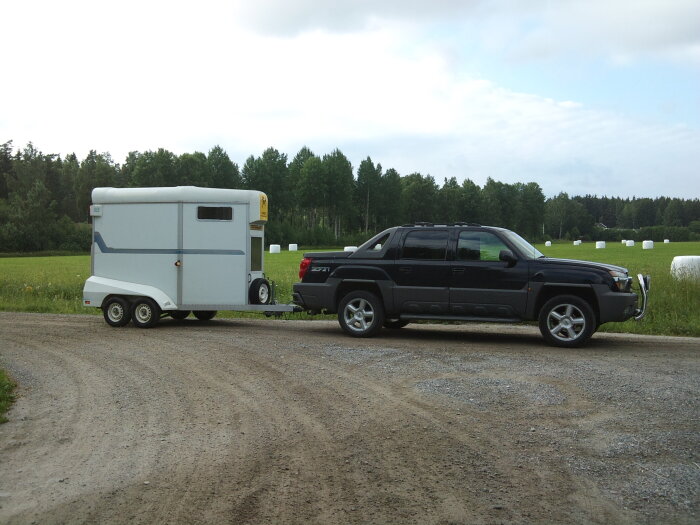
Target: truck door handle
457, 270
405, 269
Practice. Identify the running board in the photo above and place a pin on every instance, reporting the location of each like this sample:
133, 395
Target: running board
429, 317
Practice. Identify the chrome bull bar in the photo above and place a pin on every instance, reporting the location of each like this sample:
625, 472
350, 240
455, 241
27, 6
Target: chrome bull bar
644, 284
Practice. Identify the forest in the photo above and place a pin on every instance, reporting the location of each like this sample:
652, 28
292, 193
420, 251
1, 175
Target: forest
315, 200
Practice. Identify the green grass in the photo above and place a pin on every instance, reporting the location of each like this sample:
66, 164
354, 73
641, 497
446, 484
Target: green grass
54, 284
44, 284
7, 387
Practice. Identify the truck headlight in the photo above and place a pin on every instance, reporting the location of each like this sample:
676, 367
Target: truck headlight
621, 281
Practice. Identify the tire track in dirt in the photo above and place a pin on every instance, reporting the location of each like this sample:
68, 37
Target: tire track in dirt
246, 421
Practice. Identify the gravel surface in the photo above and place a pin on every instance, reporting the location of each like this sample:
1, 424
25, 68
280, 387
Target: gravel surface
263, 421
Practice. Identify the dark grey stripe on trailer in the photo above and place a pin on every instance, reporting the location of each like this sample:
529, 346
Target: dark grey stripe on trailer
106, 249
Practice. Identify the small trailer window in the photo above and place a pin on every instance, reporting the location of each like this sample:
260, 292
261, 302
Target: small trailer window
215, 213
256, 254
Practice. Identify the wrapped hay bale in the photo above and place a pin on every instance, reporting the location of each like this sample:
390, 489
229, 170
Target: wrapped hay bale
686, 267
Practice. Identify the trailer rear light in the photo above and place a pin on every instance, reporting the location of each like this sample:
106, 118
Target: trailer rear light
304, 266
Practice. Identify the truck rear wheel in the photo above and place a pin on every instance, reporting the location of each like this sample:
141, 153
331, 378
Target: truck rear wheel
117, 311
145, 313
567, 321
361, 314
204, 315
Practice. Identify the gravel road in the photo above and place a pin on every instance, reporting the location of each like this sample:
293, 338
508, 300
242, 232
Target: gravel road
262, 421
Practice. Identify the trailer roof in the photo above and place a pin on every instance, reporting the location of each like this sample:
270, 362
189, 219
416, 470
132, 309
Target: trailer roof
173, 194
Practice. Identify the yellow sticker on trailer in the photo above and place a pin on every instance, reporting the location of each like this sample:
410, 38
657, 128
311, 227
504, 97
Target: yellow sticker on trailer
263, 207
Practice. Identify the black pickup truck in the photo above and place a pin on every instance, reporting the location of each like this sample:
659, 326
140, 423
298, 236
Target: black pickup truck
465, 272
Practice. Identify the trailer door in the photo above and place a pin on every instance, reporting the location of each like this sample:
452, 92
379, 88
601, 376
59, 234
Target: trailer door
214, 260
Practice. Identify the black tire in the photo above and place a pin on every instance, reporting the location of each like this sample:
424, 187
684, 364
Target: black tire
145, 313
361, 314
204, 315
567, 321
179, 314
117, 311
260, 292
395, 324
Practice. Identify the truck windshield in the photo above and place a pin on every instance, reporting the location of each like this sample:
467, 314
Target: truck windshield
526, 249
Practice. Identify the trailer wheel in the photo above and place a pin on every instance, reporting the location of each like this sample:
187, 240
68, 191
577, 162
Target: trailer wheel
204, 315
179, 314
259, 292
145, 313
117, 311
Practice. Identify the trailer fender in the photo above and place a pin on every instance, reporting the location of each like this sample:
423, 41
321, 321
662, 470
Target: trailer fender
97, 288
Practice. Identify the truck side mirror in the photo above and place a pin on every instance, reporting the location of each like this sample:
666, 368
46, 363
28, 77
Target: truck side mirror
507, 256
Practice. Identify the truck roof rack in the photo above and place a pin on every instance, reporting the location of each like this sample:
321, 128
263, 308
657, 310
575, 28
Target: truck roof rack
430, 224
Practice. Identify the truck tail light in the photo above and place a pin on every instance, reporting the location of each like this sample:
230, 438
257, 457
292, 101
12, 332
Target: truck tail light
304, 266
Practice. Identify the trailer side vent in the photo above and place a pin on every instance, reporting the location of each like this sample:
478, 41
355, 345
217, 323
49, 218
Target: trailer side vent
256, 254
215, 213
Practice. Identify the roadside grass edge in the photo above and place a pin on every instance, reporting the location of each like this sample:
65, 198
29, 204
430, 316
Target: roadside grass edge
7, 395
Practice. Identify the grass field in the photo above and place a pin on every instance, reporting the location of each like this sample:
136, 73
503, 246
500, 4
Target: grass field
54, 284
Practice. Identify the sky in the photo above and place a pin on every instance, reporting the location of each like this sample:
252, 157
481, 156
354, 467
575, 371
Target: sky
597, 97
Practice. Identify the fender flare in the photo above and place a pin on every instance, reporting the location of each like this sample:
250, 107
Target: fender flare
96, 289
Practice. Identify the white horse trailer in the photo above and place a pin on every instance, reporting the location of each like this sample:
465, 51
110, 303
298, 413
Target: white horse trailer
172, 251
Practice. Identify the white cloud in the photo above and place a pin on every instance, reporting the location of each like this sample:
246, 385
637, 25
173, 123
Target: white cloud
289, 18
621, 31
142, 75
631, 29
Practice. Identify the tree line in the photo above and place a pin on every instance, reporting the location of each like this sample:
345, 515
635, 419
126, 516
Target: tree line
314, 199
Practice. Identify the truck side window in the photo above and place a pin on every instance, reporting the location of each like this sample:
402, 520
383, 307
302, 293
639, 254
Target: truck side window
377, 245
215, 213
479, 246
428, 244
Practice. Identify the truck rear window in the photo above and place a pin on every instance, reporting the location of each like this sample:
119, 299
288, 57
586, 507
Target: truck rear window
215, 213
425, 244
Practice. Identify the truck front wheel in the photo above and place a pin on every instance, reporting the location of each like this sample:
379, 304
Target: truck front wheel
361, 314
145, 313
567, 321
117, 311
